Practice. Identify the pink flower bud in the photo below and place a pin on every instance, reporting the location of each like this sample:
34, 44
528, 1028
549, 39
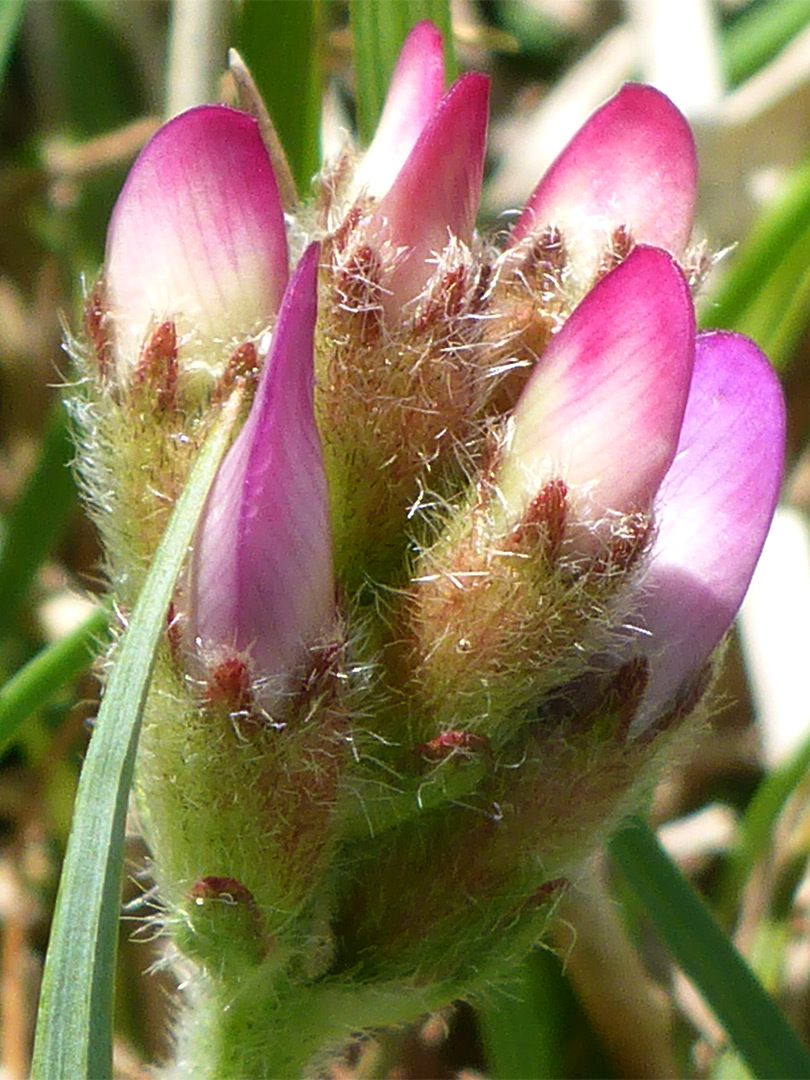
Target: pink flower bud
632, 166
713, 512
423, 170
417, 87
262, 570
436, 193
196, 239
602, 410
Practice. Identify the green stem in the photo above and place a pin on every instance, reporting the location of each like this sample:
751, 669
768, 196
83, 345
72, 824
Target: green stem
264, 1024
268, 1020
751, 1019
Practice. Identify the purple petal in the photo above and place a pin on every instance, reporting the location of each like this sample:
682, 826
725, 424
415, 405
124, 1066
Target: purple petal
714, 509
436, 194
416, 89
262, 572
603, 408
633, 164
197, 237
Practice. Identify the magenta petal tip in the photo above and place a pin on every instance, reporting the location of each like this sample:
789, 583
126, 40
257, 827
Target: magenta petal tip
197, 236
603, 408
436, 194
632, 164
416, 89
262, 577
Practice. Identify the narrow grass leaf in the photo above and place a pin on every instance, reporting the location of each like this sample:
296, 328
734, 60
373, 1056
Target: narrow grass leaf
283, 45
778, 247
524, 1022
758, 35
54, 667
751, 1019
755, 829
74, 1027
778, 315
37, 518
10, 17
379, 28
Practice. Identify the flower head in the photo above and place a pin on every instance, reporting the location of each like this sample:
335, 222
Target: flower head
485, 521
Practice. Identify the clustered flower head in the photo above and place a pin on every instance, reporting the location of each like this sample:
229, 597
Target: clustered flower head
491, 509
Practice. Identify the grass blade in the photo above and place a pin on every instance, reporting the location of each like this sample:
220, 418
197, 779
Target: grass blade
10, 13
283, 45
524, 1021
774, 257
379, 28
37, 518
755, 830
751, 1019
777, 314
74, 1026
758, 35
51, 669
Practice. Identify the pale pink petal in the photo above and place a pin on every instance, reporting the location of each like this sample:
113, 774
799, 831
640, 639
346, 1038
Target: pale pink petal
262, 571
416, 89
633, 164
713, 510
197, 236
436, 194
603, 408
